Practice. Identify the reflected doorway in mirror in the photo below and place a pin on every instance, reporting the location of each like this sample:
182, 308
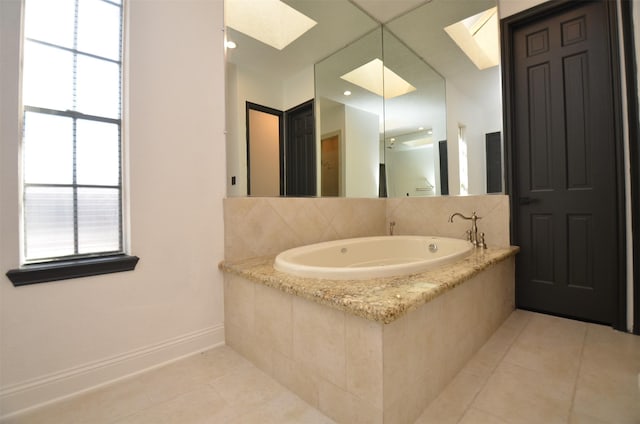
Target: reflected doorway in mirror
330, 164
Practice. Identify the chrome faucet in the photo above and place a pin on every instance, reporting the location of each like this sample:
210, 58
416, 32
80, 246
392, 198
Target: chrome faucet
472, 235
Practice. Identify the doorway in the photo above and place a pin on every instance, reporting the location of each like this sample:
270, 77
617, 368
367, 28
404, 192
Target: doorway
265, 138
330, 165
281, 163
564, 159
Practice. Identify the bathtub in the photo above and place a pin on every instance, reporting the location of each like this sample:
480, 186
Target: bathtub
371, 257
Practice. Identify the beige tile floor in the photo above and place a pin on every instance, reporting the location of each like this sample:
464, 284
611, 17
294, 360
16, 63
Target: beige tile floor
535, 369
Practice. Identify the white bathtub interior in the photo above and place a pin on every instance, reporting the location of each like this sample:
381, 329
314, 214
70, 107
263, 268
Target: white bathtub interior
371, 257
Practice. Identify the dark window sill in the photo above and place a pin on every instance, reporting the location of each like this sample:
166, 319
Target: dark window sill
64, 270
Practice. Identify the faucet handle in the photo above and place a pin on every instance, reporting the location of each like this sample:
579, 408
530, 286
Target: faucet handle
481, 242
468, 234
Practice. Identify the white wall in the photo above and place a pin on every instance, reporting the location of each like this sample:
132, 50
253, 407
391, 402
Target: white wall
66, 336
478, 119
330, 119
407, 168
244, 86
299, 88
362, 153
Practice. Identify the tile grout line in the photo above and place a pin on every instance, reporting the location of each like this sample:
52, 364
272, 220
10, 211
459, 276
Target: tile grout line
493, 371
575, 383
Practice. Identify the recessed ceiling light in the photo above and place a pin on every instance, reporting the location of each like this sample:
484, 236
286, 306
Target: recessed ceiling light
231, 44
269, 21
420, 128
347, 93
378, 79
477, 36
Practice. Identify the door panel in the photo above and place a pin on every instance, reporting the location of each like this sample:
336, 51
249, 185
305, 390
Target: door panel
300, 151
564, 155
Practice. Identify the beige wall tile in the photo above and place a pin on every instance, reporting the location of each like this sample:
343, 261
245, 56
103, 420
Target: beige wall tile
427, 353
246, 344
396, 373
461, 317
364, 359
239, 302
258, 226
319, 340
429, 216
274, 319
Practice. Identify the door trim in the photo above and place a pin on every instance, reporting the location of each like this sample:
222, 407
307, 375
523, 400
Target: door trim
631, 64
254, 106
508, 26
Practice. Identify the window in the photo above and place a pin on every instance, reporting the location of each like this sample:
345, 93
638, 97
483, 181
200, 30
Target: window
71, 150
463, 160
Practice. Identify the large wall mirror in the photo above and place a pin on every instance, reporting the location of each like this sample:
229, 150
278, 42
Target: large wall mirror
396, 109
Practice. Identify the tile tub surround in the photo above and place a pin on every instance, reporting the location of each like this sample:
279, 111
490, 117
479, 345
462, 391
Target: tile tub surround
384, 368
429, 216
260, 226
384, 299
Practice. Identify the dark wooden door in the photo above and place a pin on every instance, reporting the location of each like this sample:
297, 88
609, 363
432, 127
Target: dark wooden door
494, 162
444, 167
300, 151
565, 164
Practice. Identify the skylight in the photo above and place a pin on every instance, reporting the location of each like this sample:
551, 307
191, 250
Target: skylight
477, 37
377, 78
269, 21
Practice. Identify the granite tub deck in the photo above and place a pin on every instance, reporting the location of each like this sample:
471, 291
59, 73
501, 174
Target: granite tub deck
374, 351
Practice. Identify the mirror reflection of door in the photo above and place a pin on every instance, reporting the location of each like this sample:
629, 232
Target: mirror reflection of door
300, 151
264, 146
330, 165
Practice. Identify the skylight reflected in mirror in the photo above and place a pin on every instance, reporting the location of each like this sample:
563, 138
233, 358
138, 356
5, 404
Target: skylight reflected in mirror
477, 37
378, 79
269, 21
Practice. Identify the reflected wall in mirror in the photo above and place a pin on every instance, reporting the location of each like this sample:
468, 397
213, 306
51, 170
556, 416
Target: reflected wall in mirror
278, 77
352, 113
413, 122
284, 78
473, 95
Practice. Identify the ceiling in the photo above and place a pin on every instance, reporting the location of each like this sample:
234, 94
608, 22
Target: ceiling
418, 23
385, 10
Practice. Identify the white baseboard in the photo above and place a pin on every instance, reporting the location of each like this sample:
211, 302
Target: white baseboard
52, 387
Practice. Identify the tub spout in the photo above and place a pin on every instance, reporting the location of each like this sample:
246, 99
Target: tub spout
473, 234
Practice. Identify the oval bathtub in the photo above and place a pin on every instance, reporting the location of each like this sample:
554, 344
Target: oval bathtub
371, 257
